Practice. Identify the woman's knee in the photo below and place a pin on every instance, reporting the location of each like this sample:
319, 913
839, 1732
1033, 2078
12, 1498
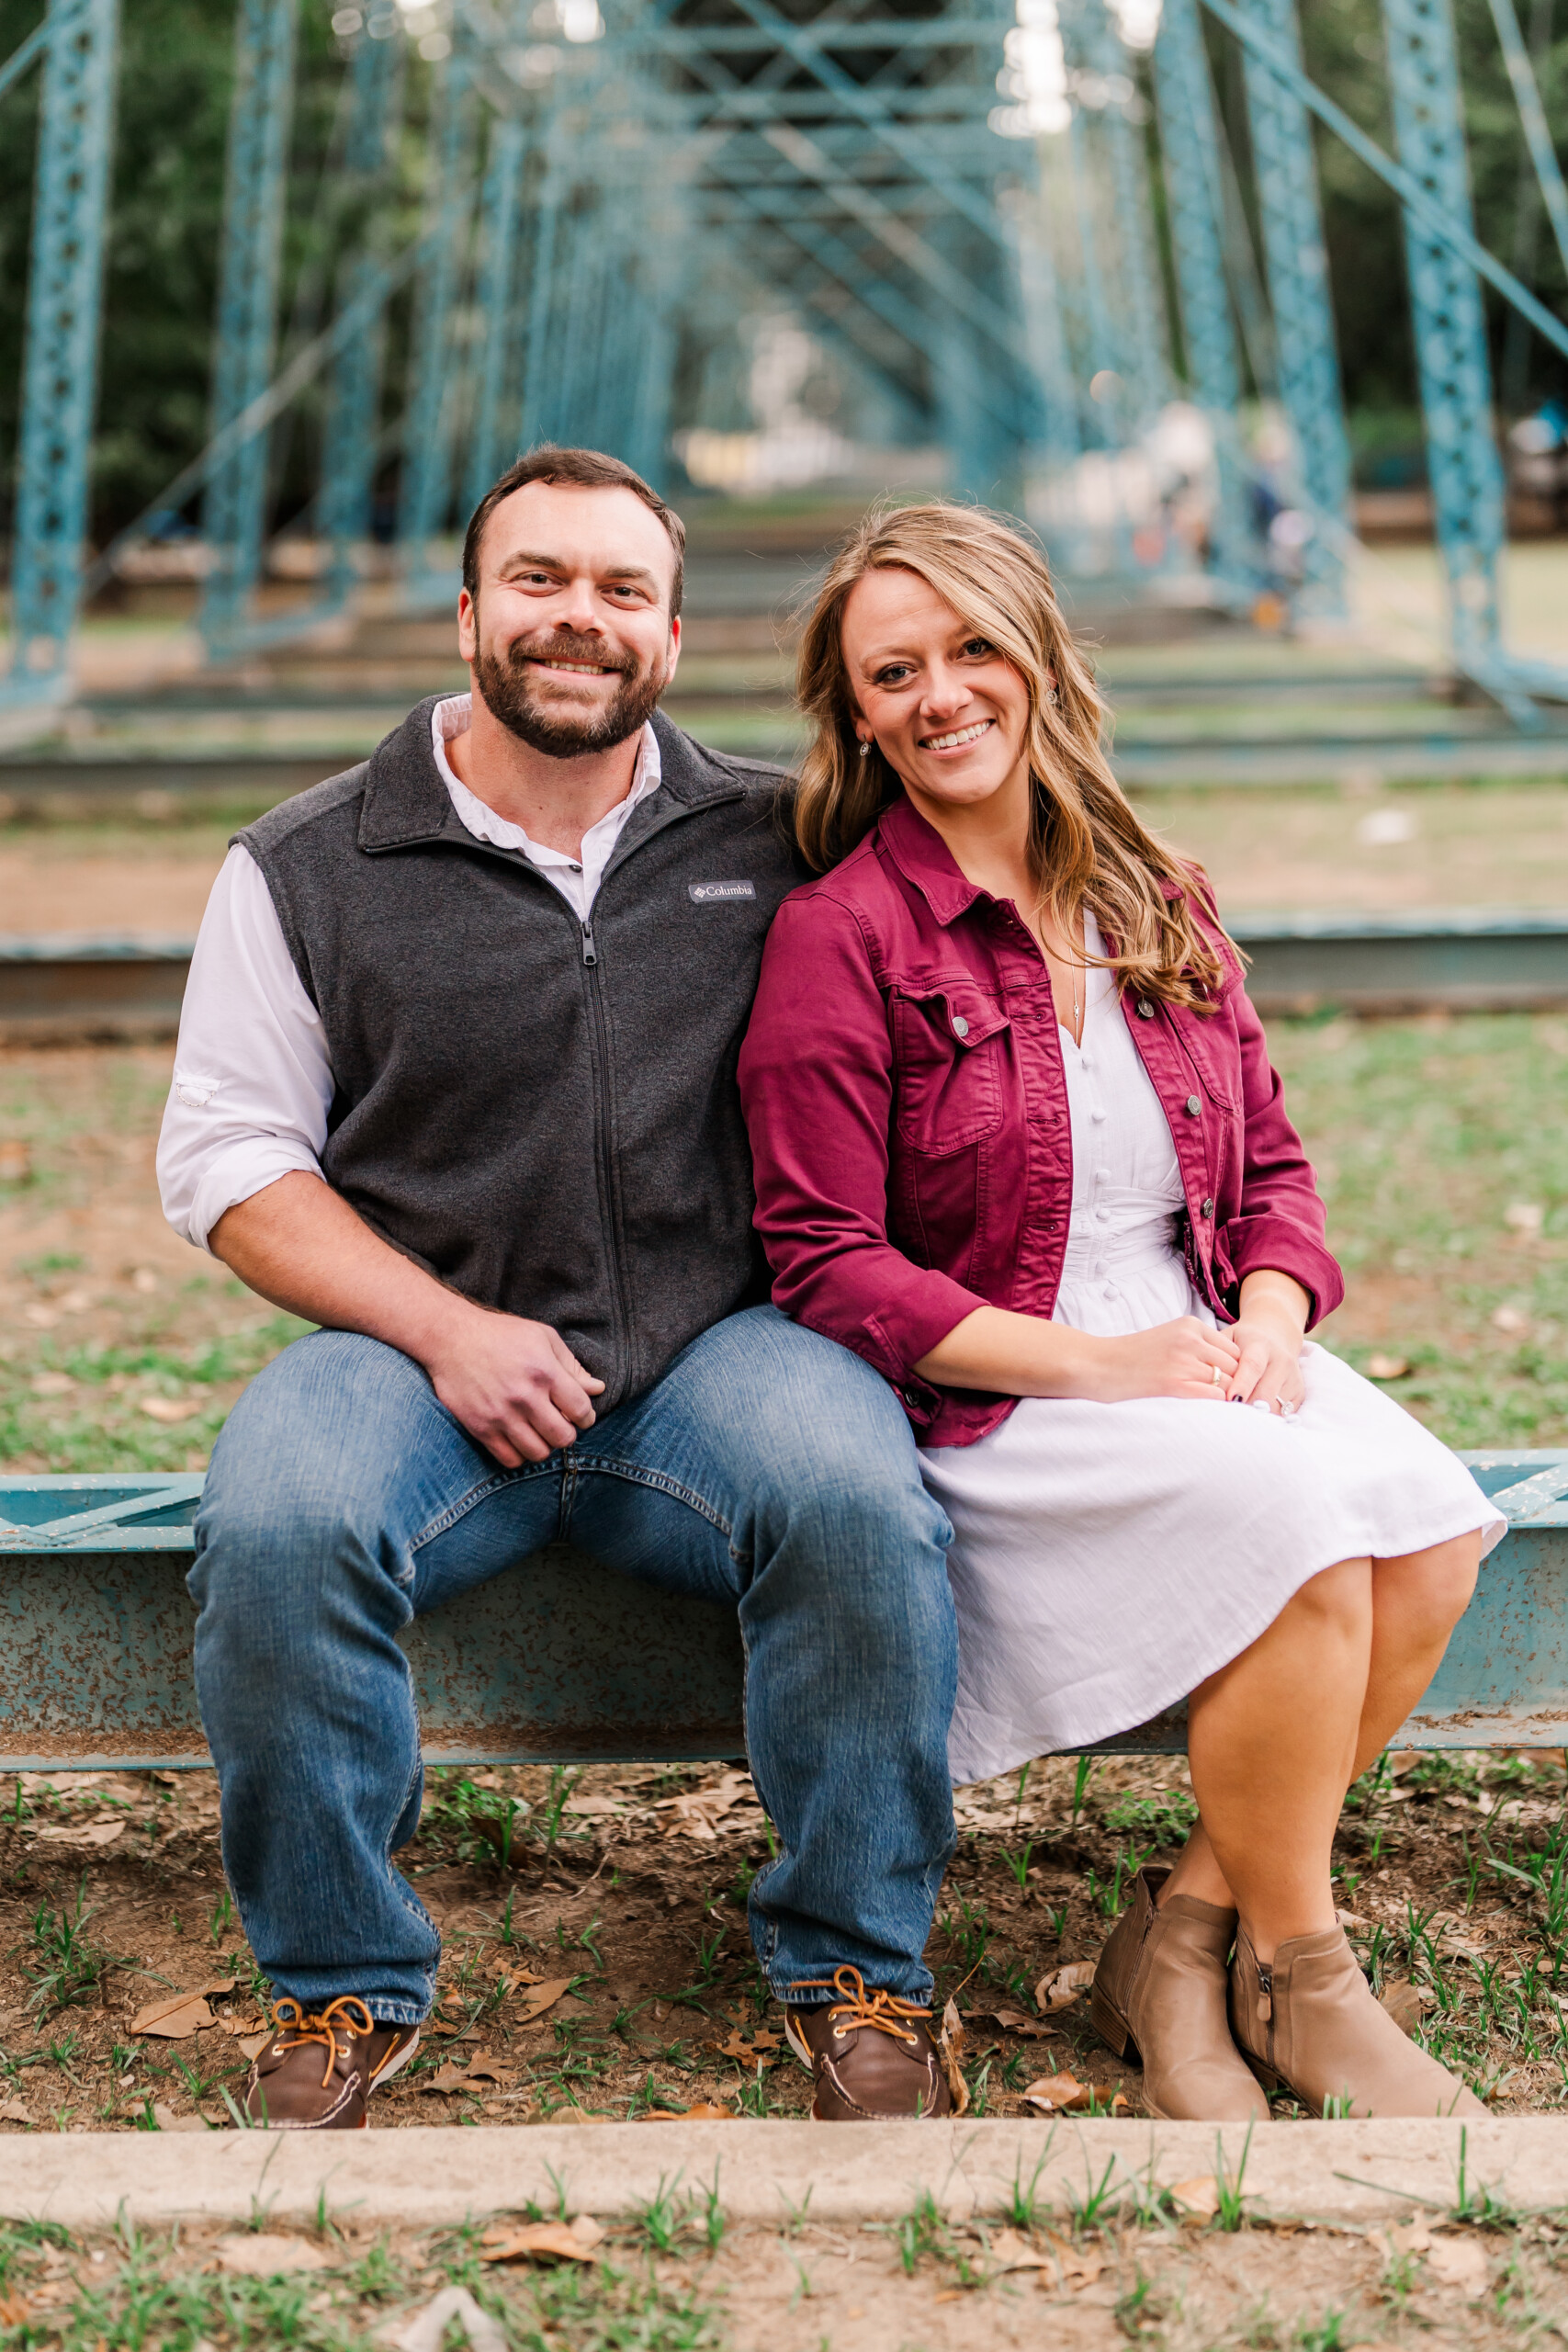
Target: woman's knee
1337, 1601
1434, 1586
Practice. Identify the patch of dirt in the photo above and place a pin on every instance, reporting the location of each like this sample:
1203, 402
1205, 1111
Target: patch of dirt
677, 2280
604, 1967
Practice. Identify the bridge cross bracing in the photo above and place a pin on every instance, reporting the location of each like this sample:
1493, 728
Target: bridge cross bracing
1021, 221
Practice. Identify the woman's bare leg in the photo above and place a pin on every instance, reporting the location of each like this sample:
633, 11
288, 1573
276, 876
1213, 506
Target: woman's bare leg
1271, 1740
1415, 1602
1417, 1599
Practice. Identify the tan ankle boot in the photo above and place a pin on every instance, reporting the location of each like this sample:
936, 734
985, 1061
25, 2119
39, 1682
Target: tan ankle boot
1307, 2021
1160, 1995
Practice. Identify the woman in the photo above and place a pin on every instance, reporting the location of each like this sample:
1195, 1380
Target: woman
1017, 1143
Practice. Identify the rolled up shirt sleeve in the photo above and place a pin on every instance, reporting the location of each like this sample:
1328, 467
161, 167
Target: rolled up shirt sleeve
817, 1089
252, 1084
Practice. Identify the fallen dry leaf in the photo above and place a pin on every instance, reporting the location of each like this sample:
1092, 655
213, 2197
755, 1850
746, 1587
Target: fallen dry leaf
735, 2047
1402, 2001
1058, 2095
448, 2080
252, 2045
1014, 2021
1459, 2262
167, 2121
169, 1410
176, 2017
1010, 2251
585, 2229
483, 2068
1401, 2238
540, 1998
704, 2111
255, 2254
535, 2241
1387, 1367
1199, 2197
13, 2111
697, 1812
510, 1978
1062, 1986
14, 2311
74, 1833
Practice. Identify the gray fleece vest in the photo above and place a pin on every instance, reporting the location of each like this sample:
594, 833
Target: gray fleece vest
543, 1113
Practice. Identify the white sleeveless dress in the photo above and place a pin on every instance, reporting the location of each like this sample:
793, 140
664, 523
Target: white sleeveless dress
1108, 1557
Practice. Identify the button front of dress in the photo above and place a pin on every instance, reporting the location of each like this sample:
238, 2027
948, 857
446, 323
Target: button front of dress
1122, 1271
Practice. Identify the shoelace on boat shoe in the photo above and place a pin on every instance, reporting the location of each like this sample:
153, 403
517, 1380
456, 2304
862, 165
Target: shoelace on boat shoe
883, 2011
323, 2025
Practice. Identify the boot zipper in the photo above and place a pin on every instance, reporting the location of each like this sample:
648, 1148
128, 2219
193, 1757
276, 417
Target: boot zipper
1266, 2004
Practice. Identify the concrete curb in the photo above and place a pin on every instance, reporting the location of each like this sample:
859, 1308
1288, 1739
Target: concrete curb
1345, 2173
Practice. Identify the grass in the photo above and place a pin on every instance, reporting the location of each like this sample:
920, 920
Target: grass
140, 2290
1424, 1134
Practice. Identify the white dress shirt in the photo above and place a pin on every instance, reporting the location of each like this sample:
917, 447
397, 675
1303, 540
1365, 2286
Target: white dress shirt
253, 1081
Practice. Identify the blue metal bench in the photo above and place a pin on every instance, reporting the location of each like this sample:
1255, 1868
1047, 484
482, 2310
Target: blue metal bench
558, 1660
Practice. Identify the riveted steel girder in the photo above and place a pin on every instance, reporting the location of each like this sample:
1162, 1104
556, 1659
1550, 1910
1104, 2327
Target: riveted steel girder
60, 364
1286, 177
235, 512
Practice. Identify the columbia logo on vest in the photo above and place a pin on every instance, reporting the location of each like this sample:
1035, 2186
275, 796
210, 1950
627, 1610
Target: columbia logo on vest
704, 893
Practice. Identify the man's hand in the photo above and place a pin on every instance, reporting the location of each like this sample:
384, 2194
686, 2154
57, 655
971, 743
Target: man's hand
515, 1385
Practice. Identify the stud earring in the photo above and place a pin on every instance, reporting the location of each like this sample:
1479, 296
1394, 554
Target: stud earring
865, 750
1051, 698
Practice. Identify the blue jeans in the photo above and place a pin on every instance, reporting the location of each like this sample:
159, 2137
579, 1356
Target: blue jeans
769, 1467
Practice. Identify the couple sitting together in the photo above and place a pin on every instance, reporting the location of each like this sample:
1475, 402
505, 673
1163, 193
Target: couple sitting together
500, 1056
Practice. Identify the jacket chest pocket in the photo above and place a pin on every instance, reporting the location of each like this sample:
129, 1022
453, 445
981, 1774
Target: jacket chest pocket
948, 1049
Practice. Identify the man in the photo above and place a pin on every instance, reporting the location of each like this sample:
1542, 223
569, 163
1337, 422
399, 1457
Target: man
456, 1082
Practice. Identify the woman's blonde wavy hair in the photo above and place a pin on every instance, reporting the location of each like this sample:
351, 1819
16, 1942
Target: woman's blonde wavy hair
1087, 847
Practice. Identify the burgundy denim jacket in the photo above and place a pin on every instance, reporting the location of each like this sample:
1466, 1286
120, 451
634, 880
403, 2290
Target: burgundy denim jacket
903, 1085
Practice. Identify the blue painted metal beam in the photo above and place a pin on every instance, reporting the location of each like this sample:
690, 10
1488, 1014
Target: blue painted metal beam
60, 362
234, 514
1285, 172
431, 423
1190, 144
1455, 375
351, 439
558, 1660
493, 443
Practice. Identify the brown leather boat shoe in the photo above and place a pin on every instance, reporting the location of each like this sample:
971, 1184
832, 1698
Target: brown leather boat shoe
872, 2055
317, 2071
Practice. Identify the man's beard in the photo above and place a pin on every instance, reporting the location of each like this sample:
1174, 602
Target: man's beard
503, 683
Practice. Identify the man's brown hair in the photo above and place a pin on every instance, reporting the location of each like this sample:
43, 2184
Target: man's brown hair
583, 469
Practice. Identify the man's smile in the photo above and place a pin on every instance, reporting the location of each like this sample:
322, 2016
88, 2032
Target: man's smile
574, 669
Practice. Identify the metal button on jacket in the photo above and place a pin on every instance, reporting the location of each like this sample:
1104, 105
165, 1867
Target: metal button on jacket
1208, 1209
1193, 1106
1146, 1008
960, 1026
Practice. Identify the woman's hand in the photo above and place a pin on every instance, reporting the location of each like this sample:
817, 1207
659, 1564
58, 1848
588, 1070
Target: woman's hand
1268, 1336
1187, 1358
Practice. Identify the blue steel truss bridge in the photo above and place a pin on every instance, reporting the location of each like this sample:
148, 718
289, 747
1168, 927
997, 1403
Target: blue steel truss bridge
1017, 220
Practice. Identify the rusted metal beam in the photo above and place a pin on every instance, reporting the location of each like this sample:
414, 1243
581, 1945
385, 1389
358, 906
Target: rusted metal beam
561, 1661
